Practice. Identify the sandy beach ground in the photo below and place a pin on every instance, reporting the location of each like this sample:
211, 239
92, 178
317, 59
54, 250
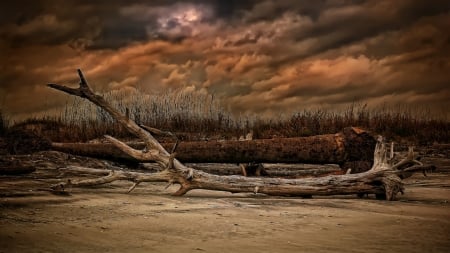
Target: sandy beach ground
105, 219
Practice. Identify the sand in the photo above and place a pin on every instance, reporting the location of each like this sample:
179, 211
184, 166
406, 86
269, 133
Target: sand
105, 219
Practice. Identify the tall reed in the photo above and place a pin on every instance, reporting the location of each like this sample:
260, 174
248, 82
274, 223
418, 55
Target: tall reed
194, 115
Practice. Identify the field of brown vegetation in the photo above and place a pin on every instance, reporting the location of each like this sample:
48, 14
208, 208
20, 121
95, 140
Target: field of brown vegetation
196, 116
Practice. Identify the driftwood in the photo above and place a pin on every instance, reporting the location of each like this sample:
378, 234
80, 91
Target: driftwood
269, 169
352, 144
384, 178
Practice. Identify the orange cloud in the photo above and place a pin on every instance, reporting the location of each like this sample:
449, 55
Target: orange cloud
267, 58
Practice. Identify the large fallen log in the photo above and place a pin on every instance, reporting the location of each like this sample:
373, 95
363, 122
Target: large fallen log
352, 144
384, 178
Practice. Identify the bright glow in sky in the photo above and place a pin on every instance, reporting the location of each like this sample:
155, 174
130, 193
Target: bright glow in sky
265, 57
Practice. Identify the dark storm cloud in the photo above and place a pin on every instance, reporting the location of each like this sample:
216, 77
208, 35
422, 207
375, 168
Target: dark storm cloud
335, 24
259, 56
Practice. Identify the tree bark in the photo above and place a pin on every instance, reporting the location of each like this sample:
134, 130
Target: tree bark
382, 178
361, 183
352, 144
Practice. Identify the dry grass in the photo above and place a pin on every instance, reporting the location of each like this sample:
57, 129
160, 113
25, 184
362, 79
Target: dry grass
202, 115
400, 124
4, 123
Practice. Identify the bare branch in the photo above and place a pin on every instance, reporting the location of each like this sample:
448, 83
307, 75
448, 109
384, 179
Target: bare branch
147, 156
84, 91
72, 91
163, 133
154, 150
409, 159
158, 132
133, 186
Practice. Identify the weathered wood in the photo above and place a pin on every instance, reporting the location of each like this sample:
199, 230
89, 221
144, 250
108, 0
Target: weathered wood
382, 178
361, 183
272, 169
351, 144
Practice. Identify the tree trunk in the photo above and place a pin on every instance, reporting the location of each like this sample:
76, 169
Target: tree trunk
362, 183
352, 144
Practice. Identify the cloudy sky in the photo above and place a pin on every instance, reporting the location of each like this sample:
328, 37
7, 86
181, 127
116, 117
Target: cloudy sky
265, 57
